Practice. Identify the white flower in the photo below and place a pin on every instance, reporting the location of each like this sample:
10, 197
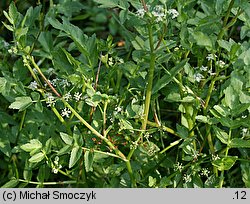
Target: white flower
140, 12
221, 63
244, 116
159, 13
55, 170
110, 61
203, 68
13, 50
187, 178
50, 100
215, 157
244, 131
198, 77
173, 12
50, 71
211, 57
64, 83
33, 85
178, 166
77, 96
65, 112
67, 96
210, 71
118, 109
205, 172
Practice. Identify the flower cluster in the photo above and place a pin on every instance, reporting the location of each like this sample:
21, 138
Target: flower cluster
50, 99
33, 85
178, 167
159, 13
56, 166
66, 112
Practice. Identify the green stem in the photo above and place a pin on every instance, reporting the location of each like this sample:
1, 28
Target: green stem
130, 171
150, 78
210, 90
226, 154
48, 183
94, 131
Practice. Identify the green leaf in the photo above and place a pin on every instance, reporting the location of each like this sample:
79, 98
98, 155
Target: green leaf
219, 6
168, 77
45, 38
223, 111
245, 172
5, 143
13, 13
165, 181
77, 136
66, 138
138, 43
240, 108
203, 119
3, 83
33, 145
11, 184
88, 160
75, 155
221, 135
21, 32
202, 39
21, 103
37, 157
107, 3
239, 143
224, 163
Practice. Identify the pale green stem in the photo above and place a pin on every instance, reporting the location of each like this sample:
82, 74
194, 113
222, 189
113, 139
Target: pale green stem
150, 79
226, 154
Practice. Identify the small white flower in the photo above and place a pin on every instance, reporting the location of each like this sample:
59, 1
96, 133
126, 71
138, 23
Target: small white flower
66, 112
140, 12
118, 109
178, 166
173, 12
195, 154
215, 157
203, 68
13, 50
77, 96
205, 172
210, 71
244, 131
33, 85
159, 13
211, 57
221, 63
64, 83
50, 71
110, 61
244, 116
187, 178
147, 135
67, 96
50, 100
55, 170
198, 77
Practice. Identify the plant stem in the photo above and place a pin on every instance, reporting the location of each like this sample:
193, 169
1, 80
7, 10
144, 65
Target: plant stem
49, 183
94, 131
226, 154
150, 78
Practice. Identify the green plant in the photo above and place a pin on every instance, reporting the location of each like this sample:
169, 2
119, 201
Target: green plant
169, 108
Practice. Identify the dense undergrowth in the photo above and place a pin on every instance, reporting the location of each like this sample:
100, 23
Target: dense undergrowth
125, 93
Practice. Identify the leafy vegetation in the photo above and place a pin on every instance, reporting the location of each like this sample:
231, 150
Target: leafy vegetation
125, 93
